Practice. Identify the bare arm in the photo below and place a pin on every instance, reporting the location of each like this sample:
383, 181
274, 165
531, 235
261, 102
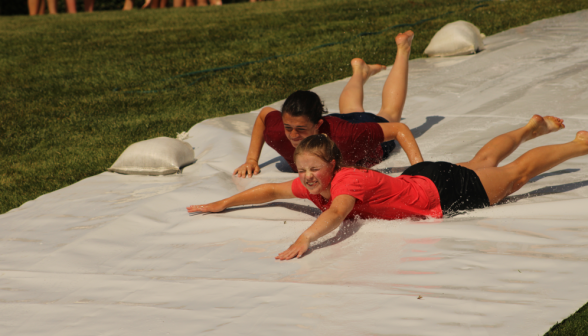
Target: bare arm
256, 195
251, 165
327, 222
403, 135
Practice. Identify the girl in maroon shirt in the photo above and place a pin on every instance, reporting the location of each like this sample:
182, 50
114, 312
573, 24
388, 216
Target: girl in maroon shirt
363, 138
426, 189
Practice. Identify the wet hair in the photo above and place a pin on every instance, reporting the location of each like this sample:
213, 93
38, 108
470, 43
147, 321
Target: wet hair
321, 146
304, 103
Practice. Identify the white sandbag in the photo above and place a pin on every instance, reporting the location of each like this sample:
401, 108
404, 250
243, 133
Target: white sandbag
159, 156
456, 38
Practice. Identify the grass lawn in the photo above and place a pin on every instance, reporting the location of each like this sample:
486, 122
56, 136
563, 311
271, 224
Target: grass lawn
76, 90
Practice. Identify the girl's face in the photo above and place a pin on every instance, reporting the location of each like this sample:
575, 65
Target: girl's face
299, 128
316, 175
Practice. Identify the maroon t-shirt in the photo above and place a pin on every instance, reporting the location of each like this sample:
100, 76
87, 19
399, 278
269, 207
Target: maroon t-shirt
359, 143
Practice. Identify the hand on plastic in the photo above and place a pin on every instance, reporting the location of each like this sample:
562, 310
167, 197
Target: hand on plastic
248, 169
295, 250
212, 207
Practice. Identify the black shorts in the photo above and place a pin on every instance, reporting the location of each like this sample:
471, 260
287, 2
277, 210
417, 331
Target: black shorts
459, 188
364, 117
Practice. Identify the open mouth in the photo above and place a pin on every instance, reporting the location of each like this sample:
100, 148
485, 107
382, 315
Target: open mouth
311, 184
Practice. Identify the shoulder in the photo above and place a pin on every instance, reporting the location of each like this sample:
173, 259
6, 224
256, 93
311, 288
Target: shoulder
348, 176
351, 181
271, 115
273, 121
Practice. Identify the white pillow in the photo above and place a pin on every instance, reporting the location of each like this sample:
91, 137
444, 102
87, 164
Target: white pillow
456, 38
159, 156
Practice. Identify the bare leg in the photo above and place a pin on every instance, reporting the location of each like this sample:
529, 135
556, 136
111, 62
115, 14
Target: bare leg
178, 3
351, 99
51, 6
503, 181
34, 6
394, 92
128, 5
71, 6
190, 3
88, 6
216, 2
503, 145
201, 3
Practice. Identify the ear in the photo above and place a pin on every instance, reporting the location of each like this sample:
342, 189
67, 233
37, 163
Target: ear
319, 123
333, 163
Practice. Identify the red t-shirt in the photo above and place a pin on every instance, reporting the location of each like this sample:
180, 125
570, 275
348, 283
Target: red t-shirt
378, 195
359, 143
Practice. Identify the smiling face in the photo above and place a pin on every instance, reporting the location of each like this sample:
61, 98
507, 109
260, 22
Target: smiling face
315, 174
299, 128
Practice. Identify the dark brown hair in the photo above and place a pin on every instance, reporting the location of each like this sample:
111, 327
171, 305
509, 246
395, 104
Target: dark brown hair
321, 146
304, 103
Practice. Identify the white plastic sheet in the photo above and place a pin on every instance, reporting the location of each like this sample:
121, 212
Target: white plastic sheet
115, 254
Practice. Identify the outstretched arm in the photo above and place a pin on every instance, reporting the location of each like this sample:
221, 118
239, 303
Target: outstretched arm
251, 165
327, 222
403, 135
256, 195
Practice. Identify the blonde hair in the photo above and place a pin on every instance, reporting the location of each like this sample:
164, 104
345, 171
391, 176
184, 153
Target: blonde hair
321, 146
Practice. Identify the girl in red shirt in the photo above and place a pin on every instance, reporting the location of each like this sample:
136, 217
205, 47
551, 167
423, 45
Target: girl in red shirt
426, 189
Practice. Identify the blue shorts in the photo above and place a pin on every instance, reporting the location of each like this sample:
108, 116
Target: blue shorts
365, 117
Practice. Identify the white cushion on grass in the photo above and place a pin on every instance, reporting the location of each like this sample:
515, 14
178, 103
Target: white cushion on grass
456, 38
159, 156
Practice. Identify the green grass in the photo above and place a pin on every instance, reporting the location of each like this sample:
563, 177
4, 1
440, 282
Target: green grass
575, 325
62, 121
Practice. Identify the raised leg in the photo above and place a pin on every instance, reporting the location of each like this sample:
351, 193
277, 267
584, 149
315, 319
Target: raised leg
394, 92
503, 145
351, 99
503, 181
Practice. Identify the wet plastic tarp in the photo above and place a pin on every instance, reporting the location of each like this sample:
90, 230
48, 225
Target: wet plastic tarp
119, 255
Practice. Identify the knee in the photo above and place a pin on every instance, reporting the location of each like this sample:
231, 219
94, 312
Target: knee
521, 175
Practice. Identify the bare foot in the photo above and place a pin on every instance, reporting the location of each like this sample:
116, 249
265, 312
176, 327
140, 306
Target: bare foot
544, 125
366, 70
582, 137
404, 40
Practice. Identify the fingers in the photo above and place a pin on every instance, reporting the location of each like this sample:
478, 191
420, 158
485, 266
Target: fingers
193, 208
291, 252
247, 170
199, 208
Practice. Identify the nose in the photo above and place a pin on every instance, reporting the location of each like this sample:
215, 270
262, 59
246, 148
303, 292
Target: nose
294, 134
308, 175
